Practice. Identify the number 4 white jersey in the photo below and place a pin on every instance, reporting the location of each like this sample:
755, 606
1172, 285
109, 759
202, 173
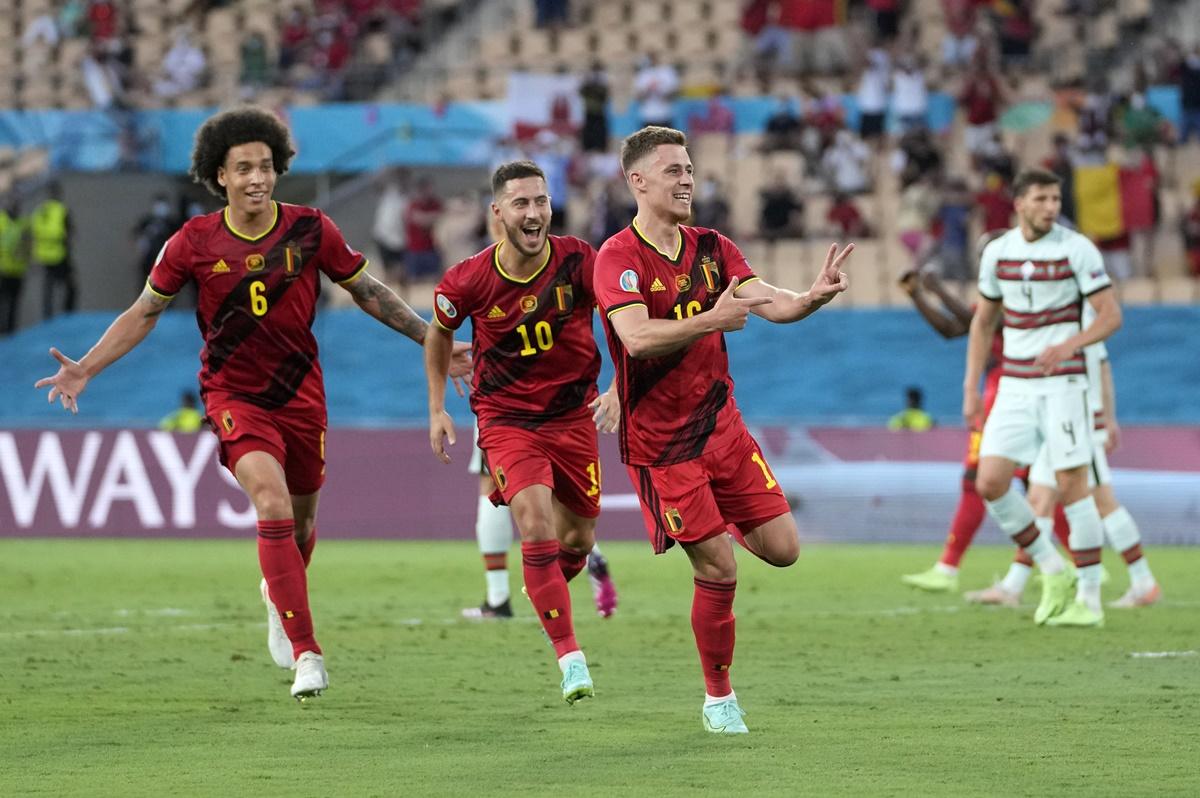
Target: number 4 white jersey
1043, 286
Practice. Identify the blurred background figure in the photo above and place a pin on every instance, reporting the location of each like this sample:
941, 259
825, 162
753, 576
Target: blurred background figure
185, 418
913, 417
50, 228
14, 262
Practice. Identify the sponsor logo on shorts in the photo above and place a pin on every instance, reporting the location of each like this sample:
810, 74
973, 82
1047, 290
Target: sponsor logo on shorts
629, 281
528, 303
255, 262
447, 307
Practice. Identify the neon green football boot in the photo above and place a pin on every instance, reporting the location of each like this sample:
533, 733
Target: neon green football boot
1077, 614
932, 581
1056, 595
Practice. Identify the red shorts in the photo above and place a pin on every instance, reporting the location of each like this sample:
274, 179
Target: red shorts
565, 460
295, 437
971, 461
695, 500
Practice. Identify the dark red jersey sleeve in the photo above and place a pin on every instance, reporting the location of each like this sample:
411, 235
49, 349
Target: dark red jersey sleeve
450, 301
616, 280
340, 261
173, 266
734, 261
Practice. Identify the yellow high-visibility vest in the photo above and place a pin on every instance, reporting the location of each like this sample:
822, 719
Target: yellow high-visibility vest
49, 225
14, 256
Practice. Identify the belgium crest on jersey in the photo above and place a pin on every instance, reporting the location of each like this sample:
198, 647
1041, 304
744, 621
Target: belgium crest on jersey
564, 298
711, 273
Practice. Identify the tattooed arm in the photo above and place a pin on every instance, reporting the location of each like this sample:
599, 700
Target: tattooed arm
126, 332
381, 302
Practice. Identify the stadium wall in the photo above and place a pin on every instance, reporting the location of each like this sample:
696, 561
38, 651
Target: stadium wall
844, 484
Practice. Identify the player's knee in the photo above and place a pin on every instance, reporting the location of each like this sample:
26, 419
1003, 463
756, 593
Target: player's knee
535, 527
269, 503
785, 555
989, 488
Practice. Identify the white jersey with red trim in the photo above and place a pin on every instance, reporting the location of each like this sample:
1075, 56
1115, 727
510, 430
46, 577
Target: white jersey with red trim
1093, 356
1043, 286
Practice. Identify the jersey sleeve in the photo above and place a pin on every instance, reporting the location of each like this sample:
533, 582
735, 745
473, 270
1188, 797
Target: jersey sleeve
341, 262
587, 274
449, 303
617, 281
172, 268
1088, 265
989, 284
735, 262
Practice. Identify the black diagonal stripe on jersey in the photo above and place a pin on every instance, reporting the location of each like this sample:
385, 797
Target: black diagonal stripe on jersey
233, 321
285, 382
649, 497
568, 398
502, 366
692, 435
648, 373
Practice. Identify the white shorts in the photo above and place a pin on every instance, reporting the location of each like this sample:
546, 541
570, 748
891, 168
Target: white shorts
1098, 472
476, 466
1021, 421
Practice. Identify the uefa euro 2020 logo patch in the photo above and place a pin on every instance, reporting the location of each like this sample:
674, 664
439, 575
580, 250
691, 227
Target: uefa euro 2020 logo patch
629, 281
447, 307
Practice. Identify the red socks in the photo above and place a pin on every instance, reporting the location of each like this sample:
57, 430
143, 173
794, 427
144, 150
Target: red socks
571, 562
712, 623
547, 589
283, 566
967, 519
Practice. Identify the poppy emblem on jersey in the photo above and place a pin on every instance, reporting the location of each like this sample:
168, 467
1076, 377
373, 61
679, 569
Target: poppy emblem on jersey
528, 303
629, 281
564, 297
255, 262
227, 421
220, 267
1027, 270
291, 257
683, 281
447, 307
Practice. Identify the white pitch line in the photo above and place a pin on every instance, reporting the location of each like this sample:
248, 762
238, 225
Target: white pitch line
1162, 654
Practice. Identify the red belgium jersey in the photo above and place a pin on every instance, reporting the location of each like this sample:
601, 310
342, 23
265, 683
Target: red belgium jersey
671, 406
257, 300
535, 358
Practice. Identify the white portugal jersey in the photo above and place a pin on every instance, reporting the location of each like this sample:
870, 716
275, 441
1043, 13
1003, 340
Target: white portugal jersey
1043, 286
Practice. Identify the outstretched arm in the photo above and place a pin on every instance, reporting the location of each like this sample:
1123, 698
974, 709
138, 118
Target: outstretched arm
438, 346
787, 305
381, 302
645, 337
948, 326
126, 332
983, 328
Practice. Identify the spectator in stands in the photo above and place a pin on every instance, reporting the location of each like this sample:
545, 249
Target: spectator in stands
845, 164
995, 157
784, 127
42, 29
594, 91
711, 208
50, 228
1118, 261
768, 46
910, 96
919, 202
255, 74
389, 230
1094, 125
913, 417
1190, 224
872, 94
1189, 95
717, 116
953, 222
100, 79
102, 20
1062, 163
14, 262
818, 39
1017, 30
151, 233
654, 88
959, 42
995, 204
294, 35
981, 99
845, 220
917, 153
1139, 208
550, 13
886, 17
782, 212
185, 418
1139, 125
183, 67
423, 259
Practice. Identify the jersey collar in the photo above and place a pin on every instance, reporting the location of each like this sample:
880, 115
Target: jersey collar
274, 223
678, 245
500, 269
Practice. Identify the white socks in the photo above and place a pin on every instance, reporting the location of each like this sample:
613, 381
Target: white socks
493, 531
709, 700
569, 657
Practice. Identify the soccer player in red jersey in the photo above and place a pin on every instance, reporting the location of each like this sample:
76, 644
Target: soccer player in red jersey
257, 265
530, 301
667, 294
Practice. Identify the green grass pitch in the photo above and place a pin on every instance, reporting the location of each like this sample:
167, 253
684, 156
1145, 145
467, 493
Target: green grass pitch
140, 668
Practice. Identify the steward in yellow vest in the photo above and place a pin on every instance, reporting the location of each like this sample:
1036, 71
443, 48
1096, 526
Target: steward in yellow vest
14, 262
50, 224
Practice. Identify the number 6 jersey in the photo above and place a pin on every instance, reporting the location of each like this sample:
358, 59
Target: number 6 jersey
257, 300
534, 354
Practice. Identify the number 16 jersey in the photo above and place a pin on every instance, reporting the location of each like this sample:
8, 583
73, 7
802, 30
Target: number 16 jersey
257, 300
534, 354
